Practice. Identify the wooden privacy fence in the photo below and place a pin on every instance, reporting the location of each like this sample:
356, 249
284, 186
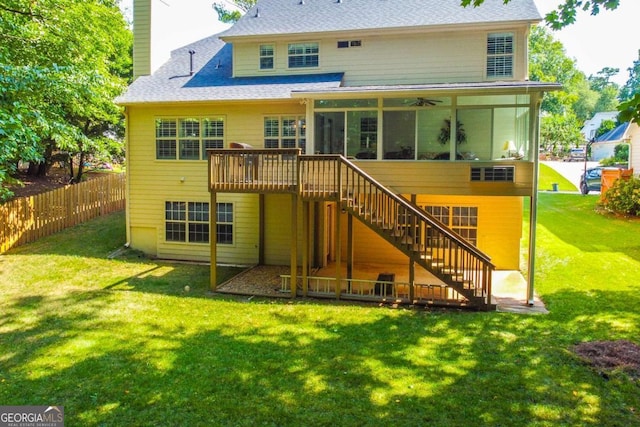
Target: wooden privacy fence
27, 219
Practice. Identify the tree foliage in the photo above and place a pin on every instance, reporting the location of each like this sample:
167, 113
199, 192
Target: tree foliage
606, 89
229, 16
630, 95
565, 13
559, 132
632, 86
605, 127
62, 63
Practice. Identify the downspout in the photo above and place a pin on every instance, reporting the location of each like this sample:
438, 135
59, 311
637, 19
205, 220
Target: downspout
127, 187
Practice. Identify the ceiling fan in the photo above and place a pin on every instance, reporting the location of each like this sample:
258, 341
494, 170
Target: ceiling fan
425, 102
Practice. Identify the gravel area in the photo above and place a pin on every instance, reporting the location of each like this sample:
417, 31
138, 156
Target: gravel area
259, 280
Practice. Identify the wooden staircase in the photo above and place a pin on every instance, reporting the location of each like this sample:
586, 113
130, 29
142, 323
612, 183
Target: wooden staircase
421, 237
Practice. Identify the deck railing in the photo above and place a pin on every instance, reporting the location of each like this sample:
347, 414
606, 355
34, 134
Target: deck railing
249, 170
376, 290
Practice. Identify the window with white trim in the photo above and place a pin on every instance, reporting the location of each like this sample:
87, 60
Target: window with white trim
499, 55
189, 222
303, 55
267, 53
285, 132
224, 223
461, 219
188, 138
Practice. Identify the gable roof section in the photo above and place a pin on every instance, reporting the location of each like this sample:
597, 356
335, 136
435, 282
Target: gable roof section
280, 17
616, 134
212, 79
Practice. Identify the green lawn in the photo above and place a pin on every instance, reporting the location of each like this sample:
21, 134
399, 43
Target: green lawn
548, 176
119, 342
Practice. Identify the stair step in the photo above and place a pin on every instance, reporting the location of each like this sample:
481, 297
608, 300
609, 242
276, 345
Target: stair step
407, 240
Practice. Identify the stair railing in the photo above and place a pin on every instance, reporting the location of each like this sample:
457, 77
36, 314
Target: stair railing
419, 235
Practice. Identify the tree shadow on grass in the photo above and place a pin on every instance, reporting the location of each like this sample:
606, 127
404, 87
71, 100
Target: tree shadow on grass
291, 364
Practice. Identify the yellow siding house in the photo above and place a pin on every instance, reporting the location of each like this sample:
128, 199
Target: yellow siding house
332, 135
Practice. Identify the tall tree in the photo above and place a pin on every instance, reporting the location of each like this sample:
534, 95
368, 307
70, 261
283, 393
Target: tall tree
632, 86
548, 62
606, 89
63, 62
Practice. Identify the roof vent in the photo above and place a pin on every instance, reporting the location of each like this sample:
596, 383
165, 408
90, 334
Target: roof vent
301, 2
257, 15
191, 53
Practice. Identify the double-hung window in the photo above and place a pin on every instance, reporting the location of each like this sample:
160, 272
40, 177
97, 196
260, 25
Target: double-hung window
224, 223
266, 57
285, 132
188, 138
303, 55
189, 222
500, 55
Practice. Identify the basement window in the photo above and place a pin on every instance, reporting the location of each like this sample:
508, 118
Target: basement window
463, 220
189, 222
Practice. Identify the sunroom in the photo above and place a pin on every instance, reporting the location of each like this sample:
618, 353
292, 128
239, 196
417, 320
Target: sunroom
493, 122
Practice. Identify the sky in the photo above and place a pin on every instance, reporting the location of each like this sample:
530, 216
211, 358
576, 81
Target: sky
595, 42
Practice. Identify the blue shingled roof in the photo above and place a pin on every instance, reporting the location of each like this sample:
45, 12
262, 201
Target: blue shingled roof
212, 79
615, 134
273, 17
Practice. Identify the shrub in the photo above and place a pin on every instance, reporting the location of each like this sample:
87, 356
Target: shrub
624, 197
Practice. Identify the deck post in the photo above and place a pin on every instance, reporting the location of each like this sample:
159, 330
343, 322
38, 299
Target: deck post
412, 280
294, 244
305, 248
349, 251
261, 223
338, 237
412, 266
213, 238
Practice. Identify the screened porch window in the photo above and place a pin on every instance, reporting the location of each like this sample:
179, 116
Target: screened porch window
481, 127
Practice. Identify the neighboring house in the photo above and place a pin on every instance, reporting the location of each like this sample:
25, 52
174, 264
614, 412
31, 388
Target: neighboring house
633, 135
604, 146
349, 106
592, 125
